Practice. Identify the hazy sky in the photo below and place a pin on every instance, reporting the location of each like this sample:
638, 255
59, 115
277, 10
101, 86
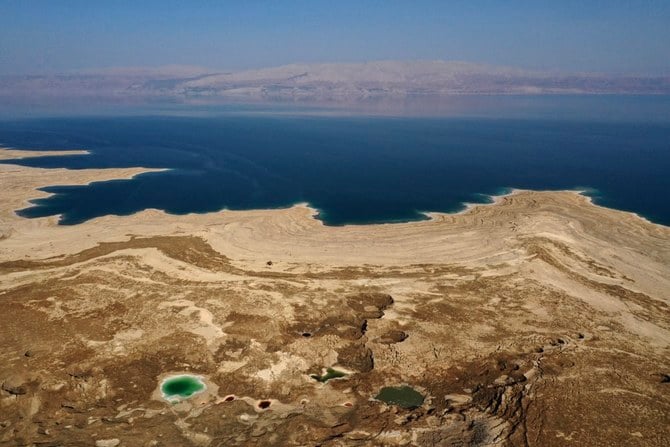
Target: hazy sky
622, 36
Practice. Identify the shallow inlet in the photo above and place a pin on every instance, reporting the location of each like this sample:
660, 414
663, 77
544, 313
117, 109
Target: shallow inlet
181, 387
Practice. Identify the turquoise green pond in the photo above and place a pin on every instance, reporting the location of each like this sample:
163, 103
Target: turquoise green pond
181, 387
402, 396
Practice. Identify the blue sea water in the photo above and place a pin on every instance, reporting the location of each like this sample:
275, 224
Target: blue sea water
354, 169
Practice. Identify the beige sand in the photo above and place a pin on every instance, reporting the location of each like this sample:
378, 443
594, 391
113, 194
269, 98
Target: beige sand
16, 154
541, 319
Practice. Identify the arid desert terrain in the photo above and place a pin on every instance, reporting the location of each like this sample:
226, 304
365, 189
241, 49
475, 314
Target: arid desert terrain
538, 320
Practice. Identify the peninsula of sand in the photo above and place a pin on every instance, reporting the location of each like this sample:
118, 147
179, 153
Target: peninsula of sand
539, 320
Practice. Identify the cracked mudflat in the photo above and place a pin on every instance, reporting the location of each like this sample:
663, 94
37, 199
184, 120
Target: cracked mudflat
541, 320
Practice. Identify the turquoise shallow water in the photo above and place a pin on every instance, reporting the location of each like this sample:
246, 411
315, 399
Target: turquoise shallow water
182, 387
353, 169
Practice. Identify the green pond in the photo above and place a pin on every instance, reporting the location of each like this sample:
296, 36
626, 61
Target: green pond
402, 396
330, 374
181, 387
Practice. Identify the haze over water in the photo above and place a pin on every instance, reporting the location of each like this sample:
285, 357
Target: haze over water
357, 169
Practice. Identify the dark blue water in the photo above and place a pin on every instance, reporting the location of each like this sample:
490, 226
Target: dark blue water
353, 169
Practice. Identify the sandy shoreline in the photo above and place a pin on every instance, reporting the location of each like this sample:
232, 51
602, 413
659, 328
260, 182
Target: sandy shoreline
291, 234
9, 153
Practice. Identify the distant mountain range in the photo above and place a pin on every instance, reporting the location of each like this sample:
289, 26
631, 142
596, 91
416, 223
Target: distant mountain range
321, 82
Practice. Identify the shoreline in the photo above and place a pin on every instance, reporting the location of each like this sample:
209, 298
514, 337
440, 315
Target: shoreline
17, 154
90, 175
10, 153
295, 233
583, 192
